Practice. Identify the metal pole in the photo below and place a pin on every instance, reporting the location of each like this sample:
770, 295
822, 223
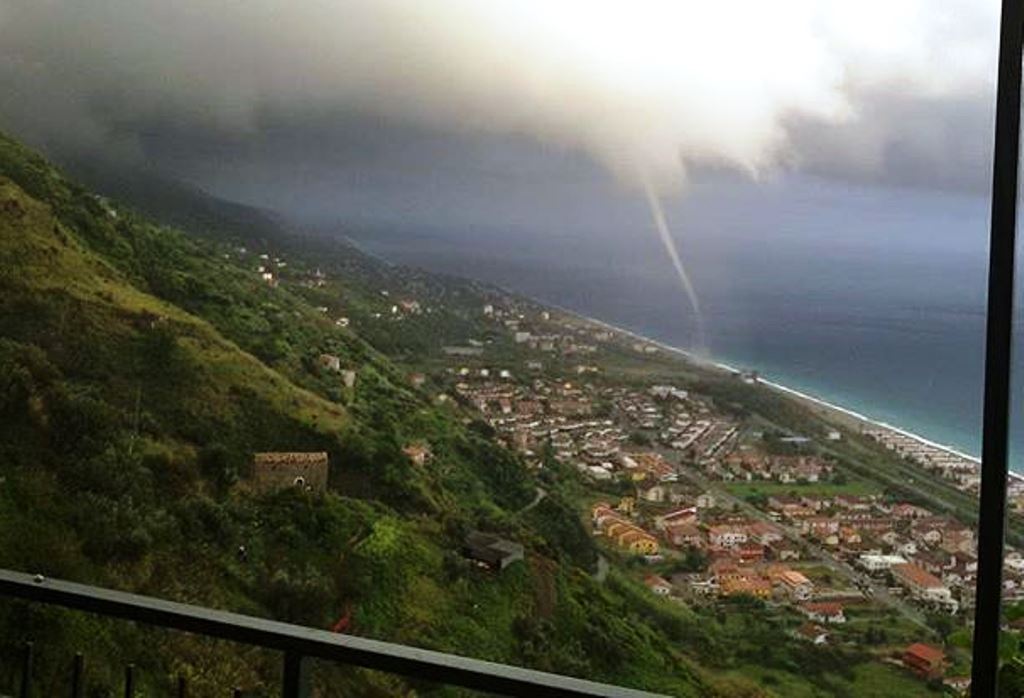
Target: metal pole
129, 681
77, 676
26, 672
998, 340
295, 682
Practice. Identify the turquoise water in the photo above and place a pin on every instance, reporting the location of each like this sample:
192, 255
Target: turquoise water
871, 299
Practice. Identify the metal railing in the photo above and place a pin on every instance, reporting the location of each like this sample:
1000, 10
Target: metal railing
298, 644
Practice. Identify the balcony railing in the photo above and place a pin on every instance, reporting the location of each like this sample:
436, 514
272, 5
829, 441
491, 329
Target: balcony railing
297, 644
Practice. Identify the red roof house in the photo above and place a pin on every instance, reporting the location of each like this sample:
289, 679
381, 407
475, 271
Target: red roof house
924, 660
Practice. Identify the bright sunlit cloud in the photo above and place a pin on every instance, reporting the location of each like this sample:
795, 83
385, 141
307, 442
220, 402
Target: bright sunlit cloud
646, 87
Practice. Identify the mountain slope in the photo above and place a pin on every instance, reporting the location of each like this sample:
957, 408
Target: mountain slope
140, 369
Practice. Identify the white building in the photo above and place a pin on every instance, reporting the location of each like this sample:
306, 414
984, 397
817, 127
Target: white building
879, 563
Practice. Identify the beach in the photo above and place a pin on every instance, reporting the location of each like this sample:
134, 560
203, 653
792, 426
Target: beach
837, 414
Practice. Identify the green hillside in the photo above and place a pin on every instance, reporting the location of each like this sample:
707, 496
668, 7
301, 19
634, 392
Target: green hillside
139, 371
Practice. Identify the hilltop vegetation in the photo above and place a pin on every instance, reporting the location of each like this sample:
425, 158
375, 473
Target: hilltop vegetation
140, 369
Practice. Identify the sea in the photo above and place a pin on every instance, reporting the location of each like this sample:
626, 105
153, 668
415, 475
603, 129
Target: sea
871, 298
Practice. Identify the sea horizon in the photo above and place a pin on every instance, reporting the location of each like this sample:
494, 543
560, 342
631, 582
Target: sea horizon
869, 300
829, 396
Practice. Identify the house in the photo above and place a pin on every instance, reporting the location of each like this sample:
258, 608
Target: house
850, 537
724, 569
923, 585
705, 501
329, 362
815, 634
275, 471
727, 536
638, 541
686, 515
924, 660
418, 454
622, 531
824, 612
348, 378
874, 564
959, 685
784, 551
853, 502
492, 551
795, 584
820, 526
654, 493
764, 533
658, 585
757, 587
749, 553
684, 535
648, 464
910, 511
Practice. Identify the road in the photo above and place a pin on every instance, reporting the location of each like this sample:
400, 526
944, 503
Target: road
879, 593
541, 494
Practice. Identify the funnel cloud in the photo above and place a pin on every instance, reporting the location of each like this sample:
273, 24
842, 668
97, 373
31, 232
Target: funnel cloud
661, 225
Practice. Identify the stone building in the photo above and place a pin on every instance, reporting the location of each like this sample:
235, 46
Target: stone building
275, 471
492, 551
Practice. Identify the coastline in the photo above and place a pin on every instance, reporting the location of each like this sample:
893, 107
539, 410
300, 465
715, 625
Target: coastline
844, 415
851, 418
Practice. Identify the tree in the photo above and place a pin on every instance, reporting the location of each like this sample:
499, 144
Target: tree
640, 438
1011, 679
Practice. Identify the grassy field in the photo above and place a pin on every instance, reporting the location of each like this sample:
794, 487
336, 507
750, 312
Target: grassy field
852, 487
875, 680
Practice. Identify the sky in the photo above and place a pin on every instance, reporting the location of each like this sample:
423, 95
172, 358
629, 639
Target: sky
821, 165
352, 108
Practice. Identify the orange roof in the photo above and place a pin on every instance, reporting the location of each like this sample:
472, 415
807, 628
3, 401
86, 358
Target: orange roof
730, 587
916, 575
759, 528
683, 529
932, 655
634, 534
793, 578
825, 608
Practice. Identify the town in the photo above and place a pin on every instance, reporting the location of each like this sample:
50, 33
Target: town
686, 477
716, 506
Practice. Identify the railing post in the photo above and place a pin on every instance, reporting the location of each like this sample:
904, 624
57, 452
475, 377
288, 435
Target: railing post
296, 676
26, 672
77, 675
129, 681
998, 355
182, 687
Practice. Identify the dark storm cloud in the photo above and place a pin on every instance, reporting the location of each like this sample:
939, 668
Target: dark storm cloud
903, 140
266, 93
